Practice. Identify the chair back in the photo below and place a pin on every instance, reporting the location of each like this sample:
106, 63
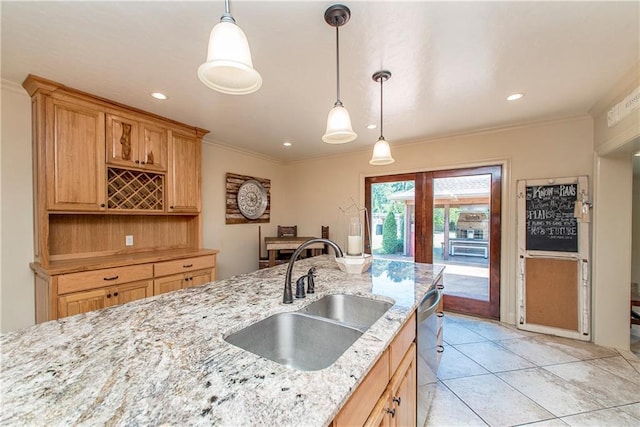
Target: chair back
287, 231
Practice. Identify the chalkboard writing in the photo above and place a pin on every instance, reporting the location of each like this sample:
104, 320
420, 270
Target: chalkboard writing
550, 222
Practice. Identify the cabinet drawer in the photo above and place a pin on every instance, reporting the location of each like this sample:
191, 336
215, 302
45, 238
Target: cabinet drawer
401, 342
183, 265
356, 411
74, 282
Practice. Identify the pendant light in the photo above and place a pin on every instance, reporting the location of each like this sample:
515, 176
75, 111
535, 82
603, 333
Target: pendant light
339, 128
381, 151
229, 68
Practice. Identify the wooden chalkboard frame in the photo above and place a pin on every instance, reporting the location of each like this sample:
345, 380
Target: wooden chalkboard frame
553, 282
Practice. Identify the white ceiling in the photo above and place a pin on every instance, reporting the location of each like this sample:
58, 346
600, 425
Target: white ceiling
452, 63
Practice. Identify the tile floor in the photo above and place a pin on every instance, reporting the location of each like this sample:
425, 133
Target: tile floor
497, 375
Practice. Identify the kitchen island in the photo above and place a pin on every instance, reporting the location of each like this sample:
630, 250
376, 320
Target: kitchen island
163, 360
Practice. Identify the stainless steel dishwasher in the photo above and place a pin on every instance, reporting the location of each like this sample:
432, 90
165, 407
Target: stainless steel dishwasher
429, 348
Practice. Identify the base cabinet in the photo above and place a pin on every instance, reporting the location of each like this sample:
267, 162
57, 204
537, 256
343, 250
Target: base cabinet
82, 302
69, 293
387, 395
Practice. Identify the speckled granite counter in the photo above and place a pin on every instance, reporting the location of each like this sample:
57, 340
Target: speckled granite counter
163, 360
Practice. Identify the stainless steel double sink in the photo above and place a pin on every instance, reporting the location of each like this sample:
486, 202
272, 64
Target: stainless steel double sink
314, 337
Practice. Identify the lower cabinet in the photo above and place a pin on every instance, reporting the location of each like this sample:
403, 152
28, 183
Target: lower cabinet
82, 302
387, 395
68, 293
180, 281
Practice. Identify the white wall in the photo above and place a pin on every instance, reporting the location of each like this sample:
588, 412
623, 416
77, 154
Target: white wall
545, 150
17, 305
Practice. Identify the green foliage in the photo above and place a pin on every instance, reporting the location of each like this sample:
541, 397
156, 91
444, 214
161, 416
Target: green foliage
380, 193
390, 234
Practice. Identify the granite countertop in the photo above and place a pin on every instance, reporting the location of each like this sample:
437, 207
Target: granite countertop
163, 360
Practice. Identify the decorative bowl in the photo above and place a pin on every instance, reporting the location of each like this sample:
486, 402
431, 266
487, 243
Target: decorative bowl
354, 264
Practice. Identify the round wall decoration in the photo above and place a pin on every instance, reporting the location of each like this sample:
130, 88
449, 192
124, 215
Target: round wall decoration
252, 199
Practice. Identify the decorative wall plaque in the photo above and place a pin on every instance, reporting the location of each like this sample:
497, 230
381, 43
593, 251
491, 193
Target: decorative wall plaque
248, 199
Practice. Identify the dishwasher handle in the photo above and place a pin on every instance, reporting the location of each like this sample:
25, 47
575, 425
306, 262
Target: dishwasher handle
429, 304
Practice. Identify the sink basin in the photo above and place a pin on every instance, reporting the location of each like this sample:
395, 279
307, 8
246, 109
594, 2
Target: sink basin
296, 340
357, 312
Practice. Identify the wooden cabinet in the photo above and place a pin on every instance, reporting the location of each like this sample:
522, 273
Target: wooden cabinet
74, 287
183, 187
183, 273
74, 145
387, 395
82, 302
137, 144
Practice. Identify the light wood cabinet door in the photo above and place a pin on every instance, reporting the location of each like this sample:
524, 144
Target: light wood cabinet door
403, 391
135, 144
168, 284
133, 291
75, 156
198, 278
184, 174
82, 302
153, 147
381, 414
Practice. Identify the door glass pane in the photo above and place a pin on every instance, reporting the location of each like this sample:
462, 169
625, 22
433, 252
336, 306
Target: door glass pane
393, 220
461, 208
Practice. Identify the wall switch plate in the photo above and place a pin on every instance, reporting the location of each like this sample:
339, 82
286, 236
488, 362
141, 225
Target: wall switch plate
128, 240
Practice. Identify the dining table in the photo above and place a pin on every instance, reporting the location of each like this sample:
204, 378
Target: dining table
275, 244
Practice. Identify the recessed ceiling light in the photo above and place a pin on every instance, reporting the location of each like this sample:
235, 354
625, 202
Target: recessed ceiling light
158, 95
515, 96
372, 126
287, 144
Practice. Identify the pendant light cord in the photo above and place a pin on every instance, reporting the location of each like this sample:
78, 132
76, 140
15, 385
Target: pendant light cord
226, 16
338, 102
381, 106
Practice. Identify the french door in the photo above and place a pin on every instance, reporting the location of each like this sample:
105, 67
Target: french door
447, 217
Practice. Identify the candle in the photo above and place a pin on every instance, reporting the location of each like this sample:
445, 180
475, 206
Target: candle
354, 245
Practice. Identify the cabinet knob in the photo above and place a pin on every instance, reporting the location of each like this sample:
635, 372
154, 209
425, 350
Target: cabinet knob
187, 265
170, 207
108, 295
102, 205
115, 294
392, 412
397, 400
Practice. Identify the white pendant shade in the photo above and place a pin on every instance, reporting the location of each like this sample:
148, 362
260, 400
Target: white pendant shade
339, 129
381, 153
229, 68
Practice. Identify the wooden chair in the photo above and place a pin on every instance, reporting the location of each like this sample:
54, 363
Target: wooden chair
324, 233
286, 231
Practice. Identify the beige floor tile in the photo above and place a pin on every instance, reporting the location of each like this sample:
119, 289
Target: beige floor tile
579, 349
456, 365
536, 352
554, 422
554, 394
455, 333
496, 402
633, 409
492, 357
611, 390
447, 410
495, 330
618, 366
605, 417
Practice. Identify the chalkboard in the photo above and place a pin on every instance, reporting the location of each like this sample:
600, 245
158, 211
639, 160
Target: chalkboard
551, 225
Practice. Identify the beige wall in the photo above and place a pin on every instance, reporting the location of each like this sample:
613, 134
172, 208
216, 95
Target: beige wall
545, 150
611, 268
238, 243
17, 307
635, 226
